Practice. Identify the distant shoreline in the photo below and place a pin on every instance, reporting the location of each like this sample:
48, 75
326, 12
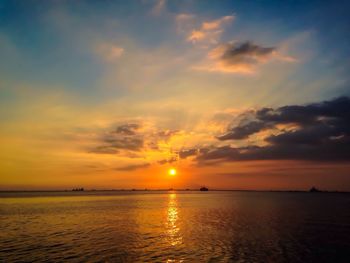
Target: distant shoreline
167, 190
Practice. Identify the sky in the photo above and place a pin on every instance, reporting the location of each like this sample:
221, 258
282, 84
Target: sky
231, 94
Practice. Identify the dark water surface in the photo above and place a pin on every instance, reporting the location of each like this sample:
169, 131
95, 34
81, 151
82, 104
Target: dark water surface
174, 227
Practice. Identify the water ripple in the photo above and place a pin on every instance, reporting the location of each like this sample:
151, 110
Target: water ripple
176, 227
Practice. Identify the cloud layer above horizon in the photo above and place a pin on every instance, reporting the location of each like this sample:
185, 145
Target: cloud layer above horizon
313, 132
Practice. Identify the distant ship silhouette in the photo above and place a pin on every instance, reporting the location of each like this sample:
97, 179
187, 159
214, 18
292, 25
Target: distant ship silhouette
314, 190
78, 189
203, 189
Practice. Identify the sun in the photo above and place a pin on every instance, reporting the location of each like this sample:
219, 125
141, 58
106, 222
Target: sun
172, 171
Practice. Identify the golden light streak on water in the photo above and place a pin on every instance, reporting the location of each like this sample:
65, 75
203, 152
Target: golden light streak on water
173, 230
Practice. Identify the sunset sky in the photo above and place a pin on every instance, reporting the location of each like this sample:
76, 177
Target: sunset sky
231, 94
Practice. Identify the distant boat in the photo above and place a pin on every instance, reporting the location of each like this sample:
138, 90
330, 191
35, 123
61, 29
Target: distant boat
314, 190
78, 189
204, 189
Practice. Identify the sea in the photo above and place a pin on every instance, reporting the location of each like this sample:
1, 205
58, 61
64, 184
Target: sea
174, 226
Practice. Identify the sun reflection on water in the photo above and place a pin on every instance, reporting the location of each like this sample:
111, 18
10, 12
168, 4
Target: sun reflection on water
173, 229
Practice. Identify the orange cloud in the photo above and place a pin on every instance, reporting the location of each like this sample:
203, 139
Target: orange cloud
210, 31
215, 24
196, 35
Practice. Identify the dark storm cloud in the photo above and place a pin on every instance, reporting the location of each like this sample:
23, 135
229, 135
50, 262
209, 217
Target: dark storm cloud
331, 151
322, 133
133, 167
326, 118
187, 153
308, 114
243, 131
245, 53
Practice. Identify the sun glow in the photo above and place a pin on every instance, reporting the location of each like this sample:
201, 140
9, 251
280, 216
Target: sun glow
172, 172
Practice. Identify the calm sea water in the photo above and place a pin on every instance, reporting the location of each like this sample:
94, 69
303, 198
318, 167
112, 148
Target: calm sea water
174, 227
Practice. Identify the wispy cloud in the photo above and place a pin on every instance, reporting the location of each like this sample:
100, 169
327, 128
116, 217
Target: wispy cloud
123, 138
109, 52
166, 161
133, 140
185, 22
159, 7
132, 167
209, 31
127, 129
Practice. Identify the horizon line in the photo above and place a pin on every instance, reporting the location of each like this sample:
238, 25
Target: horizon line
172, 189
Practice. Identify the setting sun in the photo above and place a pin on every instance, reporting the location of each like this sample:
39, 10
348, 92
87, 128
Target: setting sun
172, 172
